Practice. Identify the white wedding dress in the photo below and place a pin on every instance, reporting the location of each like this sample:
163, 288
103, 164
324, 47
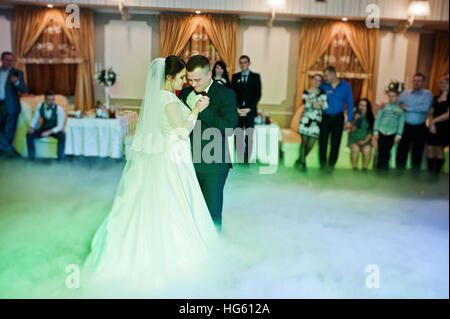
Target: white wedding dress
159, 234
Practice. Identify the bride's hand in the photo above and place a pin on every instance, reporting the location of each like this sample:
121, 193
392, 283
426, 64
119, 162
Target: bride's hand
203, 103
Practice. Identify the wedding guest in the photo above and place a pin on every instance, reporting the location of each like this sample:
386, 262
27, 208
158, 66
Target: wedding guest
247, 86
416, 103
339, 95
388, 128
11, 83
360, 137
220, 74
315, 101
437, 138
52, 117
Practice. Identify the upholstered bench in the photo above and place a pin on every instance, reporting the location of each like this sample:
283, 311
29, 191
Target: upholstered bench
45, 147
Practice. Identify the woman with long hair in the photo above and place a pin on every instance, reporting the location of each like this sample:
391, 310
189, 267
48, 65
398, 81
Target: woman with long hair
438, 129
220, 74
360, 137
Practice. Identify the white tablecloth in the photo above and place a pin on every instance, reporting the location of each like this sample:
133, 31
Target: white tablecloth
99, 137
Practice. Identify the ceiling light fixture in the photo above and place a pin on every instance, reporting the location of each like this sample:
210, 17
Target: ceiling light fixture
415, 9
275, 4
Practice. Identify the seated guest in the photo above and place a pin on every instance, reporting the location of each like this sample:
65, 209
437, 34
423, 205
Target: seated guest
388, 128
309, 128
438, 129
360, 137
11, 83
53, 117
220, 74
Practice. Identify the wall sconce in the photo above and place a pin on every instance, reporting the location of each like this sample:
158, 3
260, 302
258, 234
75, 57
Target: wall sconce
415, 9
123, 11
275, 4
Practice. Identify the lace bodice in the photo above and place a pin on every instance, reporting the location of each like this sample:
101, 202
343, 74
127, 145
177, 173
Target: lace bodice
177, 115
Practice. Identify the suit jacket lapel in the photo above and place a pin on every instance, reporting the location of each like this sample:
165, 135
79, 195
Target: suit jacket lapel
8, 78
212, 89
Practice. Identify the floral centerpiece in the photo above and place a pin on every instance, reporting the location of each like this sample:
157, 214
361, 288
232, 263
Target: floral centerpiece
106, 78
394, 85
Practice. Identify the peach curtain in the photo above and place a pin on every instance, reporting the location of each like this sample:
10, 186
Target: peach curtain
176, 30
200, 43
223, 33
29, 24
315, 37
83, 39
440, 61
364, 42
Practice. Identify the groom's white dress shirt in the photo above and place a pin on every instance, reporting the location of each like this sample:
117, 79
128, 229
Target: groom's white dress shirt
193, 98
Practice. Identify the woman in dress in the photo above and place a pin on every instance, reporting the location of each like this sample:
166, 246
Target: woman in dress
438, 129
315, 101
159, 232
220, 74
360, 137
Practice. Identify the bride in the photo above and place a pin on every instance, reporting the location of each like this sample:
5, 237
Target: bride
159, 232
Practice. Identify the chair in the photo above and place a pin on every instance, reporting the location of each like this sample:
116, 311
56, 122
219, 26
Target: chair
45, 147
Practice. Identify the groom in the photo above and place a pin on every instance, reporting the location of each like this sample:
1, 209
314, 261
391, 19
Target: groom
219, 115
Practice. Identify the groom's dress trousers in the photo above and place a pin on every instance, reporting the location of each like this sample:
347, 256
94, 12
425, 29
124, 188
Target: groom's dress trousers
53, 118
219, 115
247, 87
333, 121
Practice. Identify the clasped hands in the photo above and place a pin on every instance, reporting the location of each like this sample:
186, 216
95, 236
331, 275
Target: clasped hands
201, 104
43, 134
243, 112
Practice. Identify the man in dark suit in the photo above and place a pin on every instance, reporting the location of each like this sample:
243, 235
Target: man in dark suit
11, 82
209, 138
247, 86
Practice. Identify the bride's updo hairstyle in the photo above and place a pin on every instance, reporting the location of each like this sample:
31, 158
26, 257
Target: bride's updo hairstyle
174, 65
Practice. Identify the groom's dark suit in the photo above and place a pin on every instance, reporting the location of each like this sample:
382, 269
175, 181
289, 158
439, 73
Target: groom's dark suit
220, 114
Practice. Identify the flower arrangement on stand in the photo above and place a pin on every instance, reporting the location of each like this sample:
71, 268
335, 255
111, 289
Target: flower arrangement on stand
106, 78
394, 85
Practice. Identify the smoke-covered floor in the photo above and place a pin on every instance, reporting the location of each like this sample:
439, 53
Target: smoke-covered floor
301, 236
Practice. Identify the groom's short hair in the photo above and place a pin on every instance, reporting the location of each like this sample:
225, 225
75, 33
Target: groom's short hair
330, 69
197, 61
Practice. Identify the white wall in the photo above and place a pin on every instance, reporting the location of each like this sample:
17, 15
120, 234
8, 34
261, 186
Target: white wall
265, 44
5, 34
398, 55
128, 49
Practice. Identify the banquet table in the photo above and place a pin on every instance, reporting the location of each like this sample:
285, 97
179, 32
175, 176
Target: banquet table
99, 137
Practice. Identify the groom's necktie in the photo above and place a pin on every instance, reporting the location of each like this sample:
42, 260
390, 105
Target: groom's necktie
203, 93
